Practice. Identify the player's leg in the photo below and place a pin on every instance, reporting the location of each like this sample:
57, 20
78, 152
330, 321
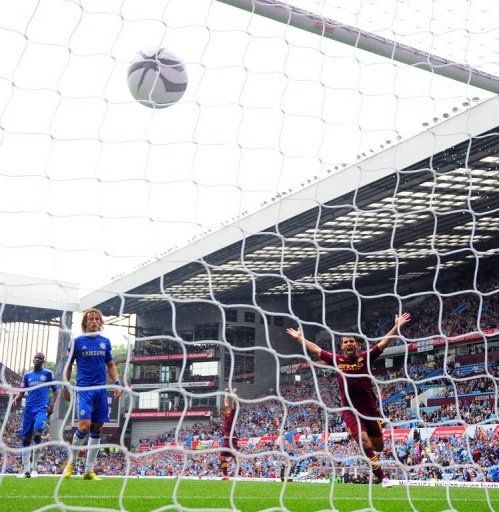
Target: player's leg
84, 408
93, 450
377, 443
358, 430
373, 457
40, 420
27, 433
375, 433
37, 439
100, 414
235, 456
78, 441
224, 465
26, 455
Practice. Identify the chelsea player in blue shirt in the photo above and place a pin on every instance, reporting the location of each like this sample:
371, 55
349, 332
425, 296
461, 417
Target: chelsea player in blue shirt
38, 408
92, 353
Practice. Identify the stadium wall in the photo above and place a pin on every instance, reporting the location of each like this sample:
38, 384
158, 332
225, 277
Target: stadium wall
270, 335
188, 316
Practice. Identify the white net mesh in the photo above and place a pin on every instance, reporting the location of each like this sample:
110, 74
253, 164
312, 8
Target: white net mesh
299, 182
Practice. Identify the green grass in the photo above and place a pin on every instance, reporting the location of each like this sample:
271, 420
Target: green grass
19, 495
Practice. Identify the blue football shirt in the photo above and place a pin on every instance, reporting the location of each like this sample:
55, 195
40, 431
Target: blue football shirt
38, 397
91, 353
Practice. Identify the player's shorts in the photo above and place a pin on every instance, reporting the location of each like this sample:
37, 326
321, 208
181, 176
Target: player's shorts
373, 428
227, 444
34, 418
93, 406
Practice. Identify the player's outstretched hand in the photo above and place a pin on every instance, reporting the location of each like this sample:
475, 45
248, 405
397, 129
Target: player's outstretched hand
295, 333
403, 319
117, 393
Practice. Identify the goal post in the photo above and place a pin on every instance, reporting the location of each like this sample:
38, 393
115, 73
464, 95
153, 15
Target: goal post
353, 36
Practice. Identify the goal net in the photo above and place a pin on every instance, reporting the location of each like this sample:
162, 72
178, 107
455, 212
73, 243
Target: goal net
330, 166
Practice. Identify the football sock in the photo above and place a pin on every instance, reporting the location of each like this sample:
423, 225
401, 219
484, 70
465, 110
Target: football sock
36, 451
376, 467
93, 450
25, 455
78, 440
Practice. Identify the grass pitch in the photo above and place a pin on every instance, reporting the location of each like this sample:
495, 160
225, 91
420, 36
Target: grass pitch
23, 495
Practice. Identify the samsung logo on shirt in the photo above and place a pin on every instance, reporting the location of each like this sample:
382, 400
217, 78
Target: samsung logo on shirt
86, 353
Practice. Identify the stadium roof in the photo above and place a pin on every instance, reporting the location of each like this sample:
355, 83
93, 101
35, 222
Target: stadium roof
425, 203
32, 299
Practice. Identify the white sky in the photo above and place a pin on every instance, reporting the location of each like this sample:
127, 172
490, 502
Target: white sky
92, 183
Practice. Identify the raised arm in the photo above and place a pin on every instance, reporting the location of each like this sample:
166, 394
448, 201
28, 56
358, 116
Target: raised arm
226, 398
394, 331
297, 335
234, 401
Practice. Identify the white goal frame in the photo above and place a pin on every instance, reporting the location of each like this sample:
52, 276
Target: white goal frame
340, 32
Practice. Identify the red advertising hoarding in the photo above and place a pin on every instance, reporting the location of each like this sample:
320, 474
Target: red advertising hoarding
169, 414
207, 354
399, 434
453, 340
457, 431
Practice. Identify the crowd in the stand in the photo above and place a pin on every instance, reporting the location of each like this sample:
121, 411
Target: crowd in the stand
452, 458
472, 386
461, 314
7, 376
307, 407
478, 411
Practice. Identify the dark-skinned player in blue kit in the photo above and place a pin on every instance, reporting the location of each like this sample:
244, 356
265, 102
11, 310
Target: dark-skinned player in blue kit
36, 384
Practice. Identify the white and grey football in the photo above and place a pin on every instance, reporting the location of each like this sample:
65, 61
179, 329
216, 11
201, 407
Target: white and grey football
157, 78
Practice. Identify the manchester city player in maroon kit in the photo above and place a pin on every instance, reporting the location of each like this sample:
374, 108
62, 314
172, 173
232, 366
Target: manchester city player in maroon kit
229, 438
357, 392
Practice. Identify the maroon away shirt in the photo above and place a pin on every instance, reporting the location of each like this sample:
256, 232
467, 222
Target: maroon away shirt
228, 421
360, 389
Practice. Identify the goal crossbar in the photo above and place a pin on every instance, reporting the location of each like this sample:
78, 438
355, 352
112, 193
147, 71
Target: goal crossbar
340, 32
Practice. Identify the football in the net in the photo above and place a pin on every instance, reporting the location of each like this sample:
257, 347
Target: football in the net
157, 78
